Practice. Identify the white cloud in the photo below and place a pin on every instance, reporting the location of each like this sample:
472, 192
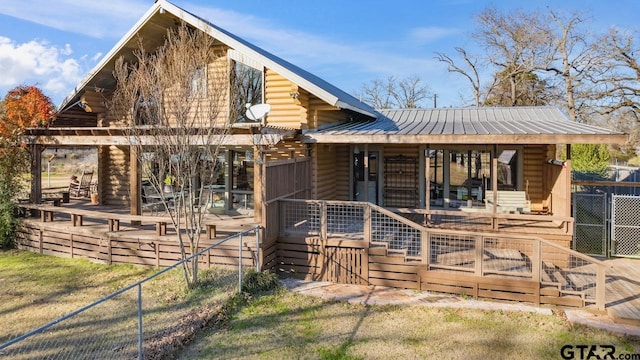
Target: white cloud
430, 34
38, 62
93, 18
309, 50
96, 57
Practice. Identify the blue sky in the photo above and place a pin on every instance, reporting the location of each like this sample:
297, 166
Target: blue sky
55, 43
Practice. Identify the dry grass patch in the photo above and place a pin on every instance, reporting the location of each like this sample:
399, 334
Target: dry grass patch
291, 325
40, 289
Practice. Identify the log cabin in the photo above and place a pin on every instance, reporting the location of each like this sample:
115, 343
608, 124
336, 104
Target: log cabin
418, 198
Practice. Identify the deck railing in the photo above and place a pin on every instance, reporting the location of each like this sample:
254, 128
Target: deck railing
480, 254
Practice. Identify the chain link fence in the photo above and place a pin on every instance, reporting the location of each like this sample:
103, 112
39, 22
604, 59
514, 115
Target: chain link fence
144, 320
625, 234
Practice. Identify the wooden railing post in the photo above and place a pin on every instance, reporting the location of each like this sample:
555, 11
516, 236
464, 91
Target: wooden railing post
601, 279
281, 218
41, 238
109, 251
323, 220
536, 261
479, 254
367, 225
425, 247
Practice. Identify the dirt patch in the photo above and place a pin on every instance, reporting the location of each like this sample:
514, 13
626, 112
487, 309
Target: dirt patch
167, 342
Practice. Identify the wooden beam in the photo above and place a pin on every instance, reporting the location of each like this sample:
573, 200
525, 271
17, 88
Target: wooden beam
229, 140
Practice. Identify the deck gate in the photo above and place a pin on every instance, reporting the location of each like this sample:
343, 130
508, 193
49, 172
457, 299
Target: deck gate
625, 226
590, 214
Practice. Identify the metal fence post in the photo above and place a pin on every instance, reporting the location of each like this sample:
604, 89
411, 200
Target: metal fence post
140, 337
240, 263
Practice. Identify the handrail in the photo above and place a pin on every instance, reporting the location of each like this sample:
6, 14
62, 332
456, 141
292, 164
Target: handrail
601, 266
439, 230
483, 214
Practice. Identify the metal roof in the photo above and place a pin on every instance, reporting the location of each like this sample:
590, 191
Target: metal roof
160, 17
489, 125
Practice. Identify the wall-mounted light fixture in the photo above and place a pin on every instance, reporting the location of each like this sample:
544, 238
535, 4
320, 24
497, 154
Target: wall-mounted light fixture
356, 150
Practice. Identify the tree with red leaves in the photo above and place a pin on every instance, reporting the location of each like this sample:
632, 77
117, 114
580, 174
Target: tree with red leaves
25, 106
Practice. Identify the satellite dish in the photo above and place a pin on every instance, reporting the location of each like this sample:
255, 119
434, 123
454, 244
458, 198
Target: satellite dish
257, 112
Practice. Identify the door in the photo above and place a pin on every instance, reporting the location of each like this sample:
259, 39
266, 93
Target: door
365, 176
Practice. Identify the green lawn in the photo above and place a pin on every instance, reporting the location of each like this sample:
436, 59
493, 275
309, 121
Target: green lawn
37, 289
290, 325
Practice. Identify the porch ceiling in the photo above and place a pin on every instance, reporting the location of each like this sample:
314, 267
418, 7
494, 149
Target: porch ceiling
512, 125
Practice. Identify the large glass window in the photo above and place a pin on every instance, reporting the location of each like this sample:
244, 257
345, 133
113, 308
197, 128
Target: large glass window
508, 170
436, 177
246, 89
469, 177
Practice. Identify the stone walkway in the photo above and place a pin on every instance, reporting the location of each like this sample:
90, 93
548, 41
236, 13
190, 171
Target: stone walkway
380, 295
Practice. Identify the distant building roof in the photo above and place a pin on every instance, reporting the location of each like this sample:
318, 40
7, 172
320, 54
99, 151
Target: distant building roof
482, 125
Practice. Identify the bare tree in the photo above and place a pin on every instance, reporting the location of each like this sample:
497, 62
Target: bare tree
471, 73
517, 43
407, 93
175, 100
619, 84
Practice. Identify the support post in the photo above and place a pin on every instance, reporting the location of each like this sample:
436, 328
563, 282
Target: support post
135, 180
366, 172
567, 187
427, 186
36, 174
494, 186
240, 263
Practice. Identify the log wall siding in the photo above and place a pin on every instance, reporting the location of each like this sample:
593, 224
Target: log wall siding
217, 88
534, 161
287, 150
114, 176
324, 172
341, 165
286, 111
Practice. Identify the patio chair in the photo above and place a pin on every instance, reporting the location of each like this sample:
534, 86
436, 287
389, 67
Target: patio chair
82, 187
151, 200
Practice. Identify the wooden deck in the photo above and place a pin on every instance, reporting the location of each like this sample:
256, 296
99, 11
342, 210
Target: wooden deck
560, 232
111, 235
99, 215
623, 291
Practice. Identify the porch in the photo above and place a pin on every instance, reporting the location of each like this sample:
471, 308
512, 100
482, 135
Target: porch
360, 243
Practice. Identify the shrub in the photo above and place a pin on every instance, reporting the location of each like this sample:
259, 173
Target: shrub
256, 282
8, 220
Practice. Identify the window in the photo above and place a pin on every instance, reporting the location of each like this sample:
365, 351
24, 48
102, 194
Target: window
246, 88
145, 111
199, 82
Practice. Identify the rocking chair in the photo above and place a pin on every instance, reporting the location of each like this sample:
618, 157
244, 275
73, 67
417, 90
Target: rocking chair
83, 186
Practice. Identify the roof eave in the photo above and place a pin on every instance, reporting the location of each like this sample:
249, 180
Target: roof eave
518, 139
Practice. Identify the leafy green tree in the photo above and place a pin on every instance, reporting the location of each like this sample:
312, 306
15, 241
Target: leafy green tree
592, 159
